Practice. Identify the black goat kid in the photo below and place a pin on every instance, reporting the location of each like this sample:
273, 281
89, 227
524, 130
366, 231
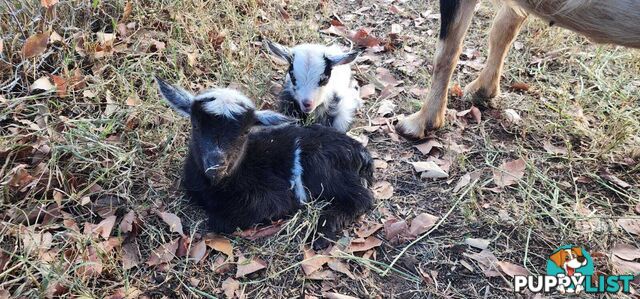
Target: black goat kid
247, 167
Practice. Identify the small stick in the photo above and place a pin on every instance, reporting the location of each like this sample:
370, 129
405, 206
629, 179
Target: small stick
404, 250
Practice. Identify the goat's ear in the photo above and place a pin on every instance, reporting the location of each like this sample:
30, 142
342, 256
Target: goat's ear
344, 58
279, 50
271, 118
179, 99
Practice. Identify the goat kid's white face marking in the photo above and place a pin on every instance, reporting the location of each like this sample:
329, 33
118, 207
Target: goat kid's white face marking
228, 102
306, 73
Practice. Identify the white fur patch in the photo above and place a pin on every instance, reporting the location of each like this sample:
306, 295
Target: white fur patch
296, 176
228, 102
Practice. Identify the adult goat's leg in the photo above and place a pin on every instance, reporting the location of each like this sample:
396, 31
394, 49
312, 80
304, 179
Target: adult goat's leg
504, 30
455, 17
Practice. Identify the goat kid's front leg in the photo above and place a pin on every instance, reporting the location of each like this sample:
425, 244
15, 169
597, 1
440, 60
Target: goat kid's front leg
455, 19
504, 30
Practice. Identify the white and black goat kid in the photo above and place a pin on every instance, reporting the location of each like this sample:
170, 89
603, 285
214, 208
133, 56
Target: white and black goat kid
318, 86
247, 167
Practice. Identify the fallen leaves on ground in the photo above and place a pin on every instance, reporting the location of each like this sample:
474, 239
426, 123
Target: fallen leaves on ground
219, 244
368, 229
367, 91
337, 296
382, 190
130, 255
174, 222
313, 262
486, 260
230, 286
426, 147
262, 231
512, 269
364, 244
164, 253
398, 231
477, 243
429, 169
509, 173
520, 86
552, 149
422, 223
623, 259
466, 179
35, 45
198, 251
247, 266
631, 226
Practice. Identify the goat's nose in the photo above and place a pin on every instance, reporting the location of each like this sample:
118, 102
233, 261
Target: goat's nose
307, 105
212, 170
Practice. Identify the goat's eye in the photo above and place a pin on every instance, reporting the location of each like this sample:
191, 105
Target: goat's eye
323, 80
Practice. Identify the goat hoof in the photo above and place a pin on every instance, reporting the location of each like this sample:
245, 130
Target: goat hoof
416, 125
481, 96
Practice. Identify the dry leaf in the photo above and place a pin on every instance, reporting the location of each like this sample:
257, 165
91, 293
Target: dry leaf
339, 266
133, 100
512, 116
466, 179
35, 45
426, 147
61, 85
130, 256
219, 244
626, 252
429, 169
126, 13
623, 267
520, 86
322, 275
512, 269
615, 180
174, 222
632, 226
230, 286
337, 296
164, 253
396, 231
111, 106
91, 265
198, 251
368, 229
456, 91
247, 266
261, 232
382, 190
367, 91
4, 294
486, 260
422, 223
104, 228
509, 173
386, 78
552, 149
129, 222
477, 243
48, 3
364, 245
362, 38
42, 84
312, 262
386, 107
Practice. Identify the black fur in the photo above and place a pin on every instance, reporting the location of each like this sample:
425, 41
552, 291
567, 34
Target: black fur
448, 11
336, 169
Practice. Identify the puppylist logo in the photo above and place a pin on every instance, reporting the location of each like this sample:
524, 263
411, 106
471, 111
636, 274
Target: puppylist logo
570, 270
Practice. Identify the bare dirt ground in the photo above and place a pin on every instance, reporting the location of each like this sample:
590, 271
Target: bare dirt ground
91, 157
